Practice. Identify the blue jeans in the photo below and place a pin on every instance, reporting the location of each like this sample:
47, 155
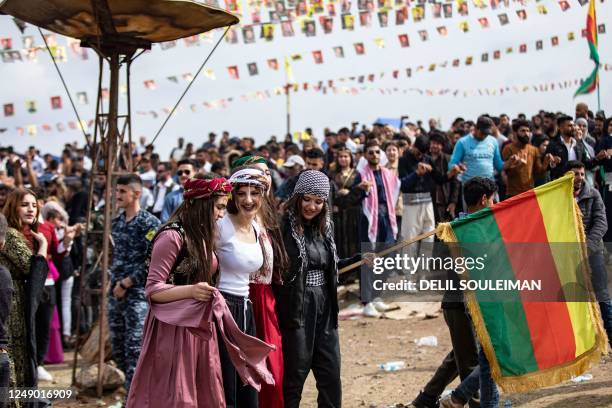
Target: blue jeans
599, 279
480, 378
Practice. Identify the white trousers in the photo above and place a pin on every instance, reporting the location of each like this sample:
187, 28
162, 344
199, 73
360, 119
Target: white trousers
417, 219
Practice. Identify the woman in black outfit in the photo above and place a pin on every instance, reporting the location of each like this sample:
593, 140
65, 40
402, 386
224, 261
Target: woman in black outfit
307, 303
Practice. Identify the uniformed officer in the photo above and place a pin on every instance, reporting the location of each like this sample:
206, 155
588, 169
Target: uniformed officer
132, 232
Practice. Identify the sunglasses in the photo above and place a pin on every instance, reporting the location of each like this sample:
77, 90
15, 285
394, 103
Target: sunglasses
185, 172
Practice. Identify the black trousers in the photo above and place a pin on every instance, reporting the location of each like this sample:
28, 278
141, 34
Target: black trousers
237, 395
461, 360
44, 313
314, 346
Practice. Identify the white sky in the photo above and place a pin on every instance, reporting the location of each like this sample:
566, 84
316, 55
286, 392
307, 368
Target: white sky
24, 81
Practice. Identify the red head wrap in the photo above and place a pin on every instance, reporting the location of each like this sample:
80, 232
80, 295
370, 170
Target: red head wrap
198, 188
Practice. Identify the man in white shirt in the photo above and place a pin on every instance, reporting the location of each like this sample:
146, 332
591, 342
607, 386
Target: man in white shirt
147, 173
165, 184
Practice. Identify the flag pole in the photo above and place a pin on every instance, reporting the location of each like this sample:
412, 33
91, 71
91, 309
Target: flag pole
288, 99
598, 95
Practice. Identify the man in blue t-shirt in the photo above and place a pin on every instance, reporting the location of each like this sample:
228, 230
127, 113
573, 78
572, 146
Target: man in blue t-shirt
478, 154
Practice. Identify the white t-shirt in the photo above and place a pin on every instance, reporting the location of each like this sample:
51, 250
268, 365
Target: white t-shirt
237, 259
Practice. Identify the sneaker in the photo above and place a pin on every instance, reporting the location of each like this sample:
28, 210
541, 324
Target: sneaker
381, 306
44, 375
448, 402
370, 311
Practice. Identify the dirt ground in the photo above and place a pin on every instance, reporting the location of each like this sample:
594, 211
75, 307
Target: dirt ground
365, 343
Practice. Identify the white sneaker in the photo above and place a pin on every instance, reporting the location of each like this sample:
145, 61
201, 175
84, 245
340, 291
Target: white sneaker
44, 375
370, 311
380, 305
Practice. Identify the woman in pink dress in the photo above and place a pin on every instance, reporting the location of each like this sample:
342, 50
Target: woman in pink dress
179, 362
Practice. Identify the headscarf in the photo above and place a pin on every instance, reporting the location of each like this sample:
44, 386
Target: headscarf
198, 188
246, 160
312, 182
249, 176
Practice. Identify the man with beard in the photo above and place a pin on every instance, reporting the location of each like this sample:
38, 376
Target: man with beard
504, 125
549, 123
564, 148
186, 169
524, 160
598, 127
379, 192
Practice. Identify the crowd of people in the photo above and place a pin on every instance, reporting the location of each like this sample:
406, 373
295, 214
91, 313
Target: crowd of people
225, 257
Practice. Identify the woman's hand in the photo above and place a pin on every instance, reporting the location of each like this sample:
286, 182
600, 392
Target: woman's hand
42, 243
368, 258
69, 234
202, 291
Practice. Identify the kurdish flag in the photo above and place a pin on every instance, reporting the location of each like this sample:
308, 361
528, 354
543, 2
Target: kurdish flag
532, 341
590, 84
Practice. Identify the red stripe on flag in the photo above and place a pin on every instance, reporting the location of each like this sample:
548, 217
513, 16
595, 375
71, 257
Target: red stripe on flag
591, 30
551, 330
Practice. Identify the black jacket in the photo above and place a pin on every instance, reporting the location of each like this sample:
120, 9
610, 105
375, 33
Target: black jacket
557, 148
290, 295
413, 183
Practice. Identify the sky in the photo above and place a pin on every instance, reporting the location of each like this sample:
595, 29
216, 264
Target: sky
470, 90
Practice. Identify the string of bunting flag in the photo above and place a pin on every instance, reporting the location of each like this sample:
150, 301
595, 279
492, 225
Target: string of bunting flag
253, 68
268, 13
324, 88
82, 98
10, 52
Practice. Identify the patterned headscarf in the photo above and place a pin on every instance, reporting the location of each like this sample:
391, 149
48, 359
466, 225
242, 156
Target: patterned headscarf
198, 188
312, 182
250, 176
246, 160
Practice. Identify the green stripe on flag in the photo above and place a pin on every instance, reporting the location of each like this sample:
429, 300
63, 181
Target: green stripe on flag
594, 52
505, 321
589, 84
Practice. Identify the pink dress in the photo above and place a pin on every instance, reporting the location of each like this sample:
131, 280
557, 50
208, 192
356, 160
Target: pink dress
55, 351
179, 362
266, 322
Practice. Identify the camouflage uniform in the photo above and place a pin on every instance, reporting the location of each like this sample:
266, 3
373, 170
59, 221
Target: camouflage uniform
126, 316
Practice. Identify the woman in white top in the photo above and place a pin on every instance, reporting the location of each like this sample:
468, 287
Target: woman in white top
240, 254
